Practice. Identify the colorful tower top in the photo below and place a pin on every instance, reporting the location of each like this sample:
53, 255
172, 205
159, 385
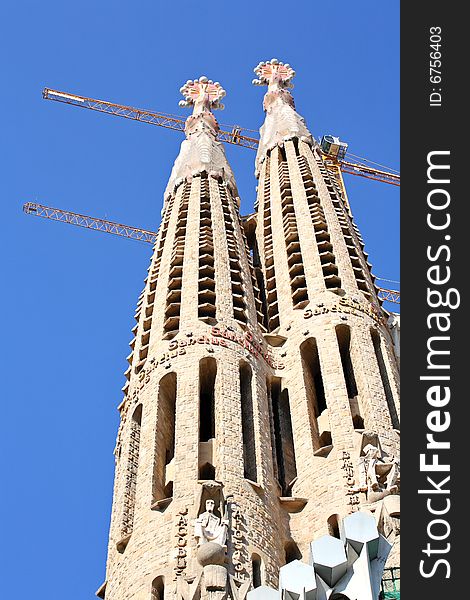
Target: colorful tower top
201, 152
203, 94
282, 121
276, 75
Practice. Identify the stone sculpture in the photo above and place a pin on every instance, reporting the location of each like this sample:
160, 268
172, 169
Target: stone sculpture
209, 527
379, 476
210, 531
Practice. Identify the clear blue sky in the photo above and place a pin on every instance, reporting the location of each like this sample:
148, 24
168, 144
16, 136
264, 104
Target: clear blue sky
70, 294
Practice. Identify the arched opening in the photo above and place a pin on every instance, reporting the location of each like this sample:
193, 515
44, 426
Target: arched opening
163, 469
377, 341
132, 469
256, 570
292, 552
290, 467
248, 430
207, 472
272, 426
207, 375
343, 335
207, 378
158, 588
317, 409
333, 526
284, 439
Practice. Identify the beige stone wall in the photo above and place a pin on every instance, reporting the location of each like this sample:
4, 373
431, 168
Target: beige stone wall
152, 546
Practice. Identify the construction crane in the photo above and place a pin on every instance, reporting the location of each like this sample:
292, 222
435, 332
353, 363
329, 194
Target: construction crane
66, 216
235, 135
388, 295
133, 233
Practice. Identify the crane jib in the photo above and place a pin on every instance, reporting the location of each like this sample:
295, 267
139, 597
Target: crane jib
133, 233
235, 136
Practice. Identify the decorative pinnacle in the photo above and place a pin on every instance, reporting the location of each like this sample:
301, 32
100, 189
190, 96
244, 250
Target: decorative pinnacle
204, 94
274, 74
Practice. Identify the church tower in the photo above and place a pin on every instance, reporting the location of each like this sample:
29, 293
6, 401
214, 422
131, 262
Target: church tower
195, 419
260, 408
338, 397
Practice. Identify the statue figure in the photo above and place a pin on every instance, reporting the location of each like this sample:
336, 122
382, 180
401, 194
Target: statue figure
210, 531
378, 475
209, 527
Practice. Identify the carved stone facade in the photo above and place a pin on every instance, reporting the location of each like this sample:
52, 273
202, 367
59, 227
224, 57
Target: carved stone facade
261, 407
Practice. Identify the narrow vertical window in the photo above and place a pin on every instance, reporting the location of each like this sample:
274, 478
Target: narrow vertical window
131, 475
248, 429
318, 416
354, 247
333, 526
283, 436
163, 469
256, 569
254, 260
274, 453
158, 588
292, 552
290, 471
207, 377
377, 341
343, 335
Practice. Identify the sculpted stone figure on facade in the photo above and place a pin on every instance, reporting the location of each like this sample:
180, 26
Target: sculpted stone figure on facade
209, 527
210, 531
378, 475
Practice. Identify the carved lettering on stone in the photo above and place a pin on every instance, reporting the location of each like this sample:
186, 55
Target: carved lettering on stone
238, 555
181, 536
350, 482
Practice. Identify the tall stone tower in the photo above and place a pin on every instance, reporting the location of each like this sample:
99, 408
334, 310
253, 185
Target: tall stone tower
261, 402
336, 403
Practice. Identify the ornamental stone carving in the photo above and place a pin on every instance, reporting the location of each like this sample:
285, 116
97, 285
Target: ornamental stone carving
379, 474
209, 527
200, 151
282, 121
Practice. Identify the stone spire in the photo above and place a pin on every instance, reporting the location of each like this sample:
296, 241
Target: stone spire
282, 121
339, 392
195, 500
201, 151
